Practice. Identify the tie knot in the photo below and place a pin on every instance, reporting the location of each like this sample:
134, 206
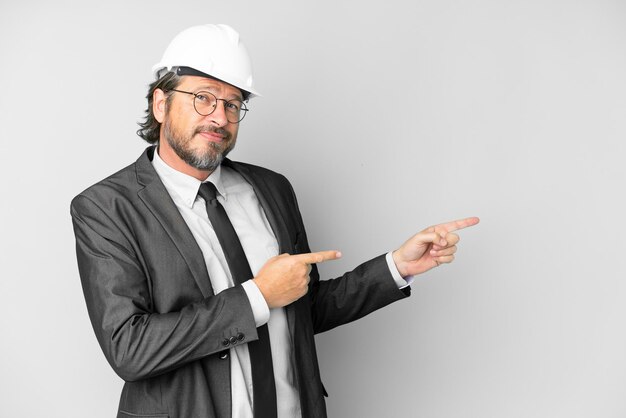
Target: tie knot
208, 192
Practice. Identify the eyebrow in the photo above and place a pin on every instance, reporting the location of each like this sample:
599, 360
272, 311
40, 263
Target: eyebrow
210, 89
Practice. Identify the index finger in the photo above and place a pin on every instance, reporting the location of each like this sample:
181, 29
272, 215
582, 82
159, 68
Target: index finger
458, 224
318, 257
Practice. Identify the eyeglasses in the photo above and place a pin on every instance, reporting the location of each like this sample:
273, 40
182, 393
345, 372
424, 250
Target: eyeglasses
205, 103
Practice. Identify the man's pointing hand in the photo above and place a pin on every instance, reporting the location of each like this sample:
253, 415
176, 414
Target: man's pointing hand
430, 248
285, 278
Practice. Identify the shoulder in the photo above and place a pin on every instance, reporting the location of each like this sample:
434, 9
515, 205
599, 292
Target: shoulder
116, 190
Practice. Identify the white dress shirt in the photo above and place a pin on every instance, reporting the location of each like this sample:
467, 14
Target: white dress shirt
259, 243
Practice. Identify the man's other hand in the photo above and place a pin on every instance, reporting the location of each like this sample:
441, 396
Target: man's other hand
429, 248
285, 278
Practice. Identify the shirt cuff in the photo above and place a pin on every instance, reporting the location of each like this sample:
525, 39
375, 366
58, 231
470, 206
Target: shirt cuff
260, 310
400, 281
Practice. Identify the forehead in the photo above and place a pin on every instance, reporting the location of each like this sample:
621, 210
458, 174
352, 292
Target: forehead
224, 90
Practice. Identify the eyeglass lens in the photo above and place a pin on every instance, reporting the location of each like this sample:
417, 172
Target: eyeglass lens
205, 103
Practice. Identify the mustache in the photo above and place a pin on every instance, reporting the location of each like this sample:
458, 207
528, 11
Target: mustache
209, 128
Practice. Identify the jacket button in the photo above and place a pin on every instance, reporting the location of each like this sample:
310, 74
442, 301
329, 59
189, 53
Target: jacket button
225, 342
224, 355
240, 337
233, 340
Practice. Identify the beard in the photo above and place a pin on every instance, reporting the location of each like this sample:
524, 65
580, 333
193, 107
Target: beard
203, 158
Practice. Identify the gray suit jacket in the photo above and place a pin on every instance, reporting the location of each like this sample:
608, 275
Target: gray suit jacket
153, 310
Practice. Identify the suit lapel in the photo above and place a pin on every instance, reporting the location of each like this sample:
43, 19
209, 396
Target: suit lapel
159, 202
277, 221
268, 203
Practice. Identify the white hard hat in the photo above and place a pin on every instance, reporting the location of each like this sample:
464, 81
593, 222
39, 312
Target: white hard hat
212, 50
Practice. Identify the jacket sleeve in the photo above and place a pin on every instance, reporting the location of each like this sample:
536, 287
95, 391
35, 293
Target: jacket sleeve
137, 341
368, 287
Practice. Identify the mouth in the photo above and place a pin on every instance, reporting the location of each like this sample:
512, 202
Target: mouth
212, 136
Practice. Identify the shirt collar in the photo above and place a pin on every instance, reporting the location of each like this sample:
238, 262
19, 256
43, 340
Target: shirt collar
183, 184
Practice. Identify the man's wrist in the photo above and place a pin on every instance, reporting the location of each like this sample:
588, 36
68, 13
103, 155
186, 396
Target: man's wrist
397, 263
260, 309
400, 280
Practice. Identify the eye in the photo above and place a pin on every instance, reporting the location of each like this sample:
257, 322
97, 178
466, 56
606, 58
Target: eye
202, 97
233, 106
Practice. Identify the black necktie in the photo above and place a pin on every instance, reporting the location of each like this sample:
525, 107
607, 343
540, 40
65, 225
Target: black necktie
264, 386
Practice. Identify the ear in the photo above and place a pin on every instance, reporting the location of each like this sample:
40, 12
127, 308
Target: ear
158, 105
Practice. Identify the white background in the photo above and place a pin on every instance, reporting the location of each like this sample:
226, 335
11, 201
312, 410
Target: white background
387, 117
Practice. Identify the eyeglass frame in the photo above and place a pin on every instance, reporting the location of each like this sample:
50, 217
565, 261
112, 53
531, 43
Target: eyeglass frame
243, 108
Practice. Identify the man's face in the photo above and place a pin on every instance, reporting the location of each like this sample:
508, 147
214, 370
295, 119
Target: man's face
200, 141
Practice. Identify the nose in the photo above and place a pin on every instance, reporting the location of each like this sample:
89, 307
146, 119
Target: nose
218, 117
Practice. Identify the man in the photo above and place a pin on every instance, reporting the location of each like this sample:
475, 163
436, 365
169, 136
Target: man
196, 269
